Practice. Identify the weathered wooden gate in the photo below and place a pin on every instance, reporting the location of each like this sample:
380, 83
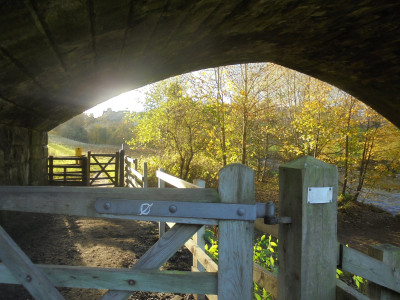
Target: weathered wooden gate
104, 169
232, 208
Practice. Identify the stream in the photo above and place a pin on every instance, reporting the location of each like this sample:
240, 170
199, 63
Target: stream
389, 202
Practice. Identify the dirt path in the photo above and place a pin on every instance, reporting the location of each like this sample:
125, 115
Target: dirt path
50, 239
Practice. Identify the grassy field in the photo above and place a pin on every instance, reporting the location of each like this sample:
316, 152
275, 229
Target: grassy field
60, 146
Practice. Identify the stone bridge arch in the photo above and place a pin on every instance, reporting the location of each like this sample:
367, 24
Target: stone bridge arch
59, 58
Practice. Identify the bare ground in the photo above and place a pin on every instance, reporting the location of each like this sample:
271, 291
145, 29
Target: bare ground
53, 239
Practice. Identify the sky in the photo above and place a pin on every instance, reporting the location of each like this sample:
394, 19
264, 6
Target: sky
131, 101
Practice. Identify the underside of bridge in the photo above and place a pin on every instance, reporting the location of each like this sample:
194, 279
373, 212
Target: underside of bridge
59, 58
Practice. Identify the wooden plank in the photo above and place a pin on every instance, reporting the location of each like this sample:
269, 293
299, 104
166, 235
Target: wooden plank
79, 201
129, 160
103, 155
235, 263
112, 278
203, 296
198, 239
24, 271
121, 167
266, 229
137, 174
266, 279
174, 181
389, 255
370, 268
117, 171
307, 248
201, 256
67, 158
129, 182
158, 254
145, 179
345, 292
162, 226
67, 166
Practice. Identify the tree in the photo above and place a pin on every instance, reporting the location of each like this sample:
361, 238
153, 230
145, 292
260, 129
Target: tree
247, 82
172, 124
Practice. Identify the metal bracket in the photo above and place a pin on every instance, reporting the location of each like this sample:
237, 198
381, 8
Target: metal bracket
270, 218
174, 209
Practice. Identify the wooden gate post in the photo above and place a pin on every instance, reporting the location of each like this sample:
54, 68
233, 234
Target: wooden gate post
162, 226
198, 239
145, 181
390, 255
51, 169
307, 248
121, 167
116, 172
85, 171
235, 262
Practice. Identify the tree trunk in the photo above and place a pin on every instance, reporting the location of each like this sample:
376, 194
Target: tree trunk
264, 172
366, 158
244, 139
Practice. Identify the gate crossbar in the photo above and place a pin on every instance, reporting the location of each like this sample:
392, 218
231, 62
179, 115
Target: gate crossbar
80, 201
113, 278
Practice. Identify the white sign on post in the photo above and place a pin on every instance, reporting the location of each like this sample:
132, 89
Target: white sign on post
318, 195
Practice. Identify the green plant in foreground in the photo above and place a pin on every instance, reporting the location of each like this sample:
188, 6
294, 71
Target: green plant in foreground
211, 246
265, 255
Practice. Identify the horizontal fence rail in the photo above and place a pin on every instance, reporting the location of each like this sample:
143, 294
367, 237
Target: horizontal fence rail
80, 201
118, 279
133, 178
350, 260
68, 170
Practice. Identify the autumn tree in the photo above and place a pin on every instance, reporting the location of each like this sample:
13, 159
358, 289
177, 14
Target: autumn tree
247, 81
172, 123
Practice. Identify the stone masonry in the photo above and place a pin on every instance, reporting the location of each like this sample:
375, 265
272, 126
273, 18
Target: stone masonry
23, 156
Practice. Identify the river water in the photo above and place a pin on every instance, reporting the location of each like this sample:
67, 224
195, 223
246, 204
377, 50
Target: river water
389, 202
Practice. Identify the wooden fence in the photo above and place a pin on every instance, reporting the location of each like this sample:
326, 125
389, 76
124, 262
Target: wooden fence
133, 178
308, 250
381, 267
90, 170
68, 170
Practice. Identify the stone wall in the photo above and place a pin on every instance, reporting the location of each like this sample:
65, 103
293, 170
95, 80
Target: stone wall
23, 156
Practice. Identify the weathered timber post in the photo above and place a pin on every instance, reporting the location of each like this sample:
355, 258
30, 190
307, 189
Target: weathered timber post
135, 163
116, 172
51, 169
121, 166
161, 225
88, 166
85, 171
145, 183
390, 255
198, 239
235, 263
307, 247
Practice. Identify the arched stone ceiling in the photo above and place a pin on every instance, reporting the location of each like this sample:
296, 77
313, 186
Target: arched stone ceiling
59, 58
